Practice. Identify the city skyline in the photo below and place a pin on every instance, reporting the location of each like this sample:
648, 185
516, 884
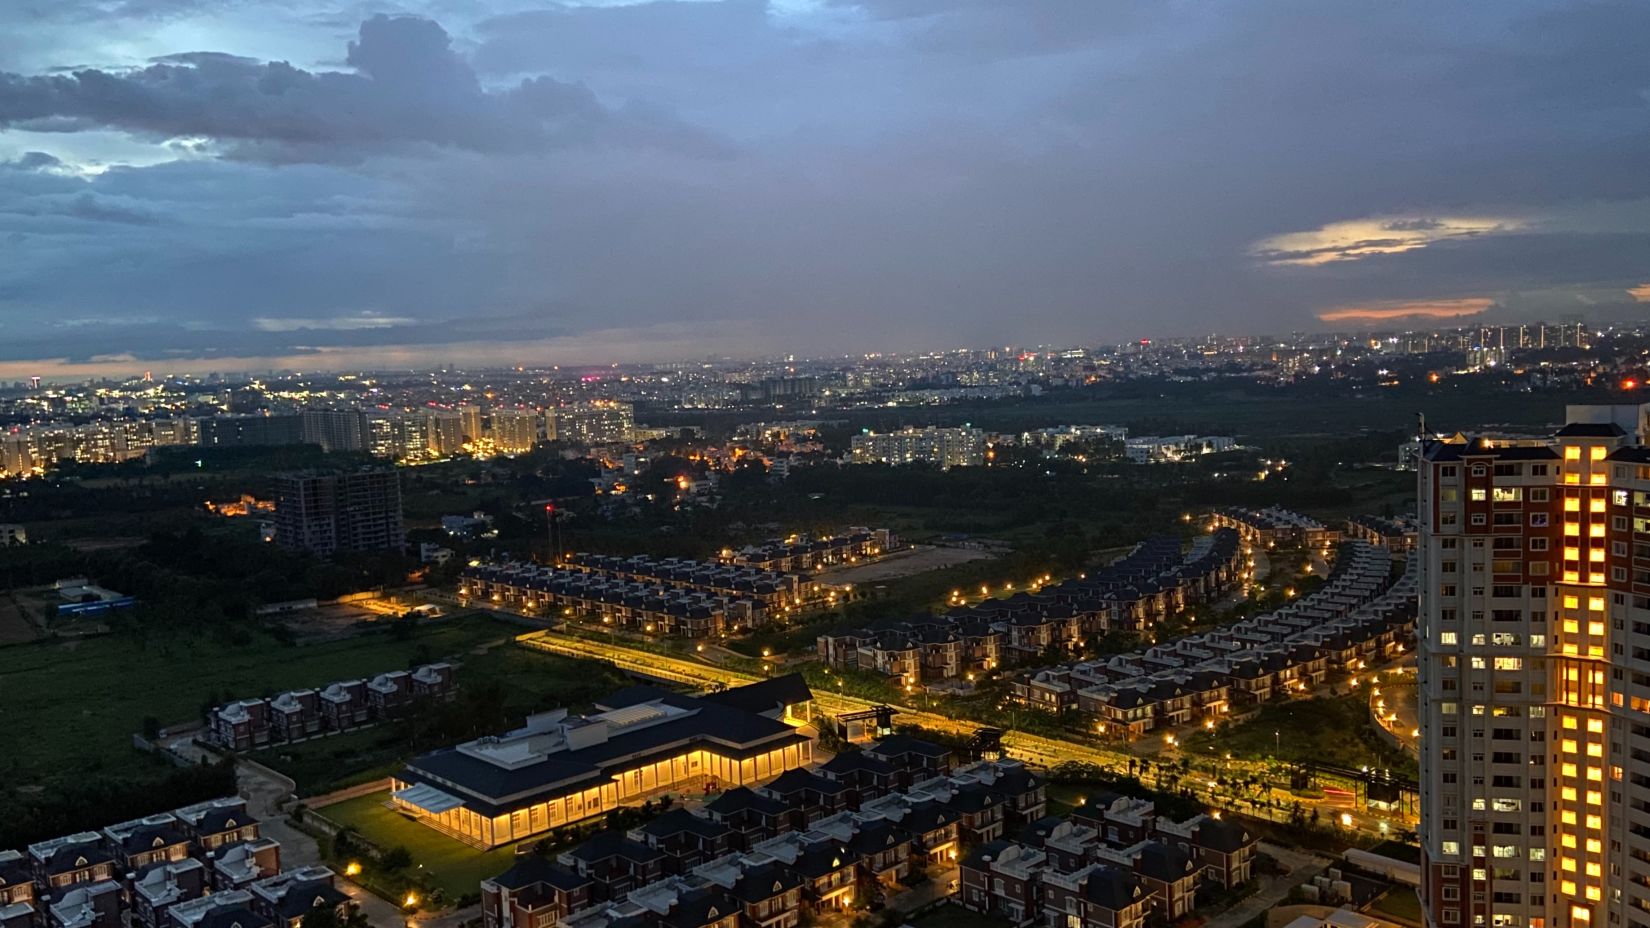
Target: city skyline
311, 185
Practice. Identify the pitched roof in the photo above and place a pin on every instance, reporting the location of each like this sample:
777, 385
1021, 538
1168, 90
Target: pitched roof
532, 869
1113, 888
766, 696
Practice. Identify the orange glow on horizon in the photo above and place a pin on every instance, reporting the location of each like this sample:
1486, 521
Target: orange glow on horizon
1430, 309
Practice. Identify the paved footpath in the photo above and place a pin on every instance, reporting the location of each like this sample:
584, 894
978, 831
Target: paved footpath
1299, 867
265, 792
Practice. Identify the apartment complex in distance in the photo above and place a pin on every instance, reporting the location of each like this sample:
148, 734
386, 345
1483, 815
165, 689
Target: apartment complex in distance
346, 511
1535, 676
595, 423
947, 447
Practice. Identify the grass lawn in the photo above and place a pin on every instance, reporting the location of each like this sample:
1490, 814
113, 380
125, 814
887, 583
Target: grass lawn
1329, 730
76, 704
457, 868
1399, 904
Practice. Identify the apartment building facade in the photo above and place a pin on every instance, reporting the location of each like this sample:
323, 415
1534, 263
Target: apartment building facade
1535, 677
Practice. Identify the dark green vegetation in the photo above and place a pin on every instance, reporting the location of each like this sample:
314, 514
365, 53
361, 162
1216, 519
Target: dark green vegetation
90, 802
73, 706
1327, 730
497, 687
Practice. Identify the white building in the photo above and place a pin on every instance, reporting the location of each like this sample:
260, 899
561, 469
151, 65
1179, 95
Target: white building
947, 447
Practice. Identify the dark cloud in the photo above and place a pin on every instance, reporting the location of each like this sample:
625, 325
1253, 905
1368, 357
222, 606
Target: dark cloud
905, 173
409, 88
33, 161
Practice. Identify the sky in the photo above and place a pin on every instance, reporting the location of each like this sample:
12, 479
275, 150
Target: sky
244, 184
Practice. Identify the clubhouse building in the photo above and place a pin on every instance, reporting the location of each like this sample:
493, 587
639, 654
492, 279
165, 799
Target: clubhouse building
559, 769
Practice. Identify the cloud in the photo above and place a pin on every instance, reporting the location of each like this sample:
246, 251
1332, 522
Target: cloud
1412, 310
33, 161
409, 88
1640, 293
336, 324
1349, 240
826, 177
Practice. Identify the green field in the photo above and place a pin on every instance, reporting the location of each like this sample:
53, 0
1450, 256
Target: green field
1326, 730
76, 704
456, 868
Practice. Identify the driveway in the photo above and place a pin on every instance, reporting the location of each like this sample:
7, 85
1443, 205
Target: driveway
1299, 867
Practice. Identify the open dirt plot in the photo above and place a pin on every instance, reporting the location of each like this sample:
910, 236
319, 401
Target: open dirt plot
916, 560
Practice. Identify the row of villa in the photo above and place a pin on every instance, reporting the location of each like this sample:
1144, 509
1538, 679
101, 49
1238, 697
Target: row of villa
832, 838
202, 866
1156, 580
298, 715
1359, 617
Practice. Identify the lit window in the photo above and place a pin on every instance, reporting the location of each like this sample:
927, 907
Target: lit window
1572, 453
1596, 452
1596, 726
1595, 604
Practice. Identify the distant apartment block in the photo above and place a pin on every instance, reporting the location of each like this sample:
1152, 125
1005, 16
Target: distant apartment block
946, 447
595, 423
1159, 449
335, 429
514, 431
347, 511
249, 431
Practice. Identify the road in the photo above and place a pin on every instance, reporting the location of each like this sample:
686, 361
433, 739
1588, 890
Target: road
266, 791
1035, 749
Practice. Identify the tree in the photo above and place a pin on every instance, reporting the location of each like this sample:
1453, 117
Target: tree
396, 859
